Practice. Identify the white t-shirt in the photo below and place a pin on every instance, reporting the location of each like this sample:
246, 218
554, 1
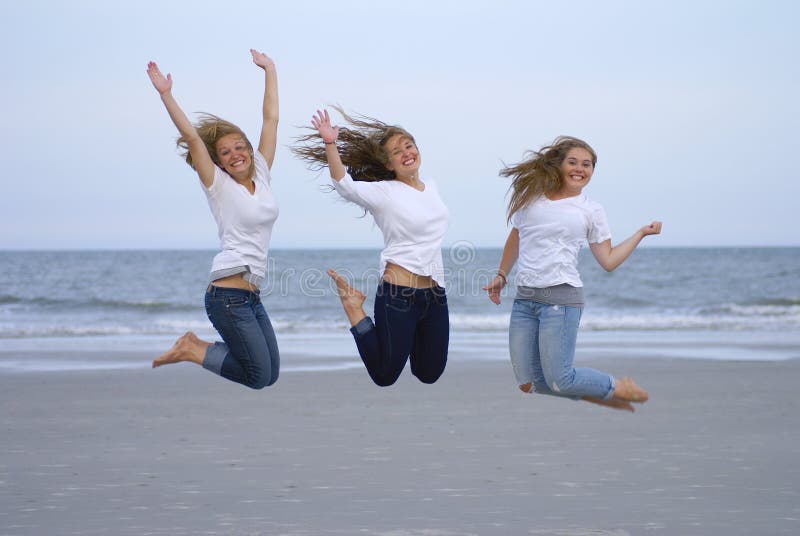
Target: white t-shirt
551, 234
244, 220
413, 223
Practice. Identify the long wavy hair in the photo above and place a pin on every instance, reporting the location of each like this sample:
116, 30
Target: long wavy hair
361, 147
540, 173
211, 128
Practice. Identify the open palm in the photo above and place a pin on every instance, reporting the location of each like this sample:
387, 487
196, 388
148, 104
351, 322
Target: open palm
160, 82
262, 60
322, 122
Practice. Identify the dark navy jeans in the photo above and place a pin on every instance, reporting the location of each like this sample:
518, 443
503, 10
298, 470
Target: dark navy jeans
249, 353
409, 323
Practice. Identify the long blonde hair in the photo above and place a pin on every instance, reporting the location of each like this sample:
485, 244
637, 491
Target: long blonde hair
361, 147
211, 129
540, 173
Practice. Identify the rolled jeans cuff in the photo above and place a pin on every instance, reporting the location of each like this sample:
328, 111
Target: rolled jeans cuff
215, 355
362, 327
610, 394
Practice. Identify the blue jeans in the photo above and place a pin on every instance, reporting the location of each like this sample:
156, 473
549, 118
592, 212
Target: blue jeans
249, 354
409, 322
541, 340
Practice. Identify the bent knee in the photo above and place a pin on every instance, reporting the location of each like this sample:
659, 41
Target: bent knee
384, 382
257, 385
261, 381
429, 378
526, 387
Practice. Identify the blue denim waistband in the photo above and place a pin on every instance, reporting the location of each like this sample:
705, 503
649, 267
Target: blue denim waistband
214, 290
414, 294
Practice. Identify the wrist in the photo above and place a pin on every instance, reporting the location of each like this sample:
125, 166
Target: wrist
502, 276
329, 142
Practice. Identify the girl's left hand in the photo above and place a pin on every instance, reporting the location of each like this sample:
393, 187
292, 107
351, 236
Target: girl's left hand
262, 60
653, 228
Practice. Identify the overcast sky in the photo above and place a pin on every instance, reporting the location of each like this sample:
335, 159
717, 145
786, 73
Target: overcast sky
692, 107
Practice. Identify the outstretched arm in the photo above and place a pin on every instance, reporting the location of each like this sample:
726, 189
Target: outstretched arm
269, 126
509, 257
322, 122
611, 257
201, 160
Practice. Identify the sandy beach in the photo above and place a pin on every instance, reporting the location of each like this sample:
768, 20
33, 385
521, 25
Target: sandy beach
177, 451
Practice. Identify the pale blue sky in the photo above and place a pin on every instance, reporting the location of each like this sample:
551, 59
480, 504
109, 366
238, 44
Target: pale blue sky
692, 107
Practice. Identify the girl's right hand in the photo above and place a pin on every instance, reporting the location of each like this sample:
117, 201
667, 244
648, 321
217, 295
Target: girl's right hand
162, 83
494, 288
322, 122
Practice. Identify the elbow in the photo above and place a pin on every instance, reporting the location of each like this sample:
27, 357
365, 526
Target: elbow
608, 266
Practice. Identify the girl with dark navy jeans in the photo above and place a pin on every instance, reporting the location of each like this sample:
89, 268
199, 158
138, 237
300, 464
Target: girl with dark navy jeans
409, 323
377, 166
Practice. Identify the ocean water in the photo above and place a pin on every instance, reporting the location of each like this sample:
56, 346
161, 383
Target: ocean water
717, 303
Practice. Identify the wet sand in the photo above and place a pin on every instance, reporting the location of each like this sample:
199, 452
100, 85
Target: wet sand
176, 451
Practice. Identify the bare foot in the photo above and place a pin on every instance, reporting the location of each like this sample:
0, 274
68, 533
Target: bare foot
614, 404
187, 348
352, 299
627, 391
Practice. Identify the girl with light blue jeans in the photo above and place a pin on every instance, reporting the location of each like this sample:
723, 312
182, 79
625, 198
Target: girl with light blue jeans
551, 219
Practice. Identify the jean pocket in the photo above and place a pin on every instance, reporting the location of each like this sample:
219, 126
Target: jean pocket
398, 303
441, 299
233, 301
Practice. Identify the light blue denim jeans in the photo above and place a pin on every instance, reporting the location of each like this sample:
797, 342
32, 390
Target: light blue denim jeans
541, 341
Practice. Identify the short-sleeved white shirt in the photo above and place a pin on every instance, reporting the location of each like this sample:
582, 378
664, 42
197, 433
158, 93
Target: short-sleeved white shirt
244, 220
413, 222
551, 234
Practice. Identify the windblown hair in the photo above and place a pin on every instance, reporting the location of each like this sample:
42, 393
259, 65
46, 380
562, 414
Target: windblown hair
361, 147
211, 128
540, 173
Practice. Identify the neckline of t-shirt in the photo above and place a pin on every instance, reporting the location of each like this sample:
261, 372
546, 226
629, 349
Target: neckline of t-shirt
564, 198
424, 185
246, 191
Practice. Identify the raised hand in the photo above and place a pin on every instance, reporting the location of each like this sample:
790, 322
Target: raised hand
162, 83
262, 60
322, 122
653, 228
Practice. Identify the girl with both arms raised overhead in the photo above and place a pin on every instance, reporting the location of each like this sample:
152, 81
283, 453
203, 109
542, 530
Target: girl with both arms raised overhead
552, 218
236, 181
376, 166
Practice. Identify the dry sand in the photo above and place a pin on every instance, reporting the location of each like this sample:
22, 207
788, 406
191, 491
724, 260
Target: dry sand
177, 451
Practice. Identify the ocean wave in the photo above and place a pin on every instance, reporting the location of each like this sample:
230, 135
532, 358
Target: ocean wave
660, 322
100, 330
775, 308
769, 317
50, 304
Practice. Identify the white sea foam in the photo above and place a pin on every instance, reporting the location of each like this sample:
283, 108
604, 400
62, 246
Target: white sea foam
662, 301
731, 317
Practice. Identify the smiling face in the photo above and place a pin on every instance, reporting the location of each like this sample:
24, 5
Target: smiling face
402, 156
235, 156
576, 171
